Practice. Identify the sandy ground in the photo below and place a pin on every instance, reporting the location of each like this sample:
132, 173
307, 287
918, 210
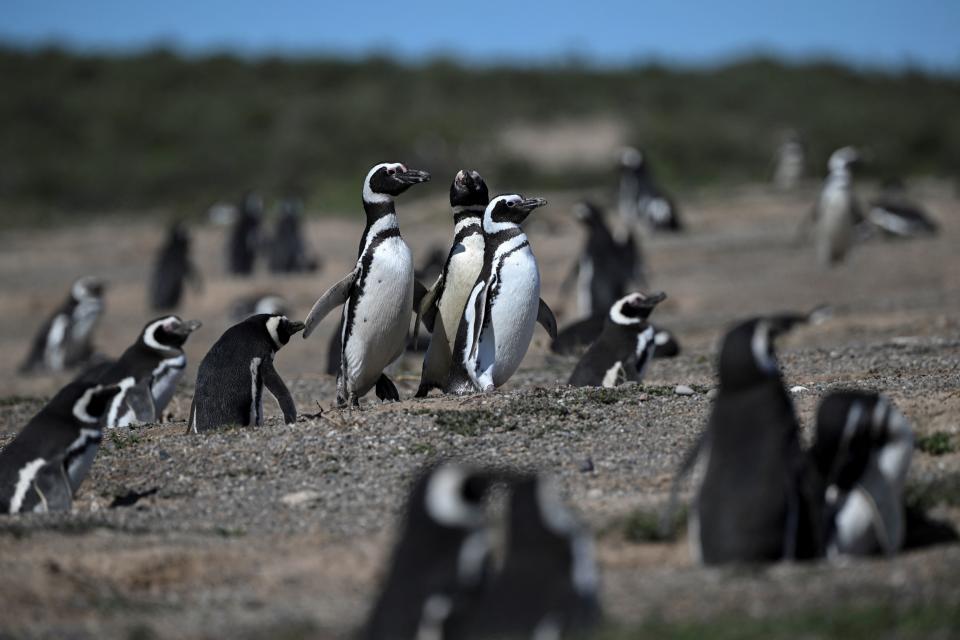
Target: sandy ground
282, 531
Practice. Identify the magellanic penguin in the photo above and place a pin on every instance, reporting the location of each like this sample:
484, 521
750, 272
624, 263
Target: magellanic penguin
626, 346
43, 466
862, 451
789, 162
289, 251
547, 586
156, 362
642, 198
377, 295
504, 304
837, 212
239, 365
64, 340
172, 267
244, 239
757, 501
441, 558
442, 307
894, 214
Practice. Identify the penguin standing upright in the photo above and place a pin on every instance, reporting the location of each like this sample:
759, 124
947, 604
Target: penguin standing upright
172, 267
64, 340
789, 162
244, 239
642, 197
837, 212
443, 305
43, 466
504, 304
441, 558
156, 362
377, 295
547, 586
862, 451
232, 375
289, 252
626, 346
758, 498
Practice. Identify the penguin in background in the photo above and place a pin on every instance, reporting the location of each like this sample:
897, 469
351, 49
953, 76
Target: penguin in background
64, 340
758, 500
378, 295
441, 558
171, 268
244, 239
897, 216
289, 251
789, 161
837, 212
504, 304
156, 362
231, 377
44, 465
624, 348
270, 303
642, 198
442, 307
862, 451
547, 586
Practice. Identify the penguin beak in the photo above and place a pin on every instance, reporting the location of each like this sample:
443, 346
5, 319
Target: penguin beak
655, 298
413, 176
530, 204
192, 325
296, 327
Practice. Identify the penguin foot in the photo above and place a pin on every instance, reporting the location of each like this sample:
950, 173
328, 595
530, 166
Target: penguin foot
424, 389
386, 390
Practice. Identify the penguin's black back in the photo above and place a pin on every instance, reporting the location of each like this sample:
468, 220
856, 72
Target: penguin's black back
616, 343
39, 345
170, 270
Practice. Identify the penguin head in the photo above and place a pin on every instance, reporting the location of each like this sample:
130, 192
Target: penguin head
93, 400
390, 179
508, 211
632, 158
168, 333
87, 288
747, 356
844, 160
291, 207
633, 309
251, 204
177, 234
469, 191
449, 495
278, 327
588, 214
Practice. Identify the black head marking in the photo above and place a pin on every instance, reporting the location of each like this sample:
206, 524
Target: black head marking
508, 211
279, 328
167, 332
468, 189
635, 308
390, 179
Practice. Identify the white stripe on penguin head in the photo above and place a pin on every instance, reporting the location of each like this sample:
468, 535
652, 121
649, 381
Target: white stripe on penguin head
444, 498
272, 325
489, 226
150, 333
760, 347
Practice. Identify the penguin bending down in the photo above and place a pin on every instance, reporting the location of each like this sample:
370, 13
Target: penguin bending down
246, 306
642, 197
837, 212
441, 558
442, 307
547, 586
377, 295
897, 216
289, 252
173, 265
64, 339
758, 499
626, 346
43, 466
232, 375
244, 237
156, 362
581, 334
862, 451
504, 304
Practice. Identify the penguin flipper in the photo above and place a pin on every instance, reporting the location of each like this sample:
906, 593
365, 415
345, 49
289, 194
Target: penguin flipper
53, 487
475, 321
427, 307
547, 320
331, 299
386, 390
140, 400
274, 383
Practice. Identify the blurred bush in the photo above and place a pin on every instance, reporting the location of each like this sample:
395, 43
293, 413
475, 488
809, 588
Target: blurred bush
155, 130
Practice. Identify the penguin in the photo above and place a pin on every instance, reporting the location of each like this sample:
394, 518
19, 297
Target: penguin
232, 375
837, 212
442, 307
246, 306
244, 239
377, 296
862, 451
43, 466
757, 501
789, 161
156, 362
504, 304
547, 586
431, 266
64, 340
626, 346
642, 197
171, 268
441, 558
582, 333
896, 216
289, 252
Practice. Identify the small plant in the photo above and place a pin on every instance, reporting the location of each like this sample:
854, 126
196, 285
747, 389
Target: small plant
936, 444
643, 525
121, 441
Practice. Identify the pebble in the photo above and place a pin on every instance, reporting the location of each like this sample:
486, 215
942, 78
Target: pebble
586, 465
298, 498
798, 389
712, 394
683, 390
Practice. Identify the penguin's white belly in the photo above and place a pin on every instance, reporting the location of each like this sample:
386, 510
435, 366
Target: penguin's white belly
167, 374
381, 315
513, 314
462, 273
835, 229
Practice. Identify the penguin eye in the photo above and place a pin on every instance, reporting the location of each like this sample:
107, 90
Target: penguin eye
390, 172
510, 203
